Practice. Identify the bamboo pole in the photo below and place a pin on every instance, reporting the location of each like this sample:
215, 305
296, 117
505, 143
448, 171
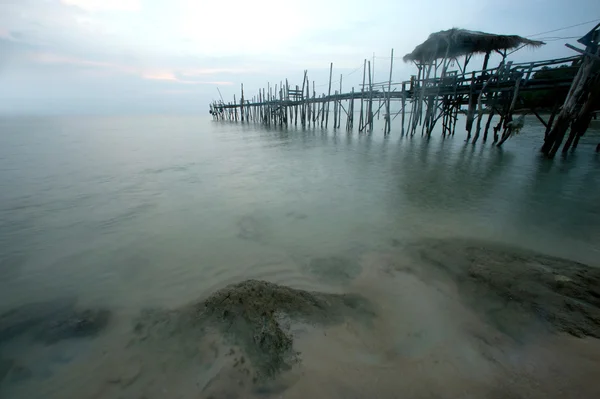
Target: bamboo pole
362, 96
350, 119
370, 103
335, 111
328, 95
388, 127
471, 108
340, 103
314, 105
480, 110
584, 115
315, 116
578, 90
507, 131
303, 111
307, 102
403, 107
242, 103
286, 107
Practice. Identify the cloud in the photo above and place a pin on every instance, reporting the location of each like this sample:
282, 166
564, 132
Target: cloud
171, 77
49, 58
160, 75
105, 5
214, 71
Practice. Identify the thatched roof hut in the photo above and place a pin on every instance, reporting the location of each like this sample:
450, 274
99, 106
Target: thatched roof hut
455, 42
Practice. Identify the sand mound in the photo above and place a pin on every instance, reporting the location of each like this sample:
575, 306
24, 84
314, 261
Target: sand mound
251, 314
510, 284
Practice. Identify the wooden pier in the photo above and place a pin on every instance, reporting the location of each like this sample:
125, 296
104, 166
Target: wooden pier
437, 94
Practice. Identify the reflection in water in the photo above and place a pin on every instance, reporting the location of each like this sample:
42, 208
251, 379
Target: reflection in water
132, 214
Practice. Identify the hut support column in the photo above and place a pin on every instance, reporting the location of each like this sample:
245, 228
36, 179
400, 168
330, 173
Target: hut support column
576, 93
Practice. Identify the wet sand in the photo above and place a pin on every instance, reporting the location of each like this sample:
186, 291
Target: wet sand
429, 319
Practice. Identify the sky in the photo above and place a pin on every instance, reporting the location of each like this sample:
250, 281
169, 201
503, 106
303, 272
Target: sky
171, 56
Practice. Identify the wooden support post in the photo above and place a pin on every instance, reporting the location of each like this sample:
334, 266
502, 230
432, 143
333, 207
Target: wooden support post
584, 115
370, 103
571, 110
471, 109
362, 96
242, 103
328, 95
508, 131
551, 119
350, 120
268, 103
485, 61
307, 101
480, 110
296, 109
303, 111
388, 127
314, 104
286, 106
340, 103
487, 124
570, 107
335, 111
403, 106
235, 109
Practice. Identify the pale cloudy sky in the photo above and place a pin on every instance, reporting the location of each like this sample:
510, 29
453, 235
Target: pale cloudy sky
168, 56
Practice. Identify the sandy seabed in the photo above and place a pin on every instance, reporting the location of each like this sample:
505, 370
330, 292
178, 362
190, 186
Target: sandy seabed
430, 319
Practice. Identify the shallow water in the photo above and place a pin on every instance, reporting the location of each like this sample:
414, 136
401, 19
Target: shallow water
155, 212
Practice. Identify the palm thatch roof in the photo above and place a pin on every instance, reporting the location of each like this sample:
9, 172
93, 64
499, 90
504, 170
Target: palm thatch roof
456, 42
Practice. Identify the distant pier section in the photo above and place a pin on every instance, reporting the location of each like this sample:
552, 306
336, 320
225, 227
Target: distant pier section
442, 89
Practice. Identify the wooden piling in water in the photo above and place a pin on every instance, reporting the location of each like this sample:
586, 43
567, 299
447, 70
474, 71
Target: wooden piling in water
509, 116
361, 119
388, 121
370, 103
471, 108
339, 100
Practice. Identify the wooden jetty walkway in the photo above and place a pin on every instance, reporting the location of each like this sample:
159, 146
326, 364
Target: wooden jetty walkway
437, 93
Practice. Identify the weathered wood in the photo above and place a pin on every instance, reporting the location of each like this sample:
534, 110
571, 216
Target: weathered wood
480, 109
307, 101
287, 98
335, 111
551, 119
370, 103
430, 99
362, 97
471, 109
314, 118
350, 119
507, 130
579, 89
388, 128
242, 103
340, 103
328, 95
403, 107
303, 111
584, 116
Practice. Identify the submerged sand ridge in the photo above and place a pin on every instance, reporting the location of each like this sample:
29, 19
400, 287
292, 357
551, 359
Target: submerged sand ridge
512, 286
252, 314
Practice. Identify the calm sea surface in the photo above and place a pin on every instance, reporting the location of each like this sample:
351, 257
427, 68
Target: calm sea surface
155, 211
